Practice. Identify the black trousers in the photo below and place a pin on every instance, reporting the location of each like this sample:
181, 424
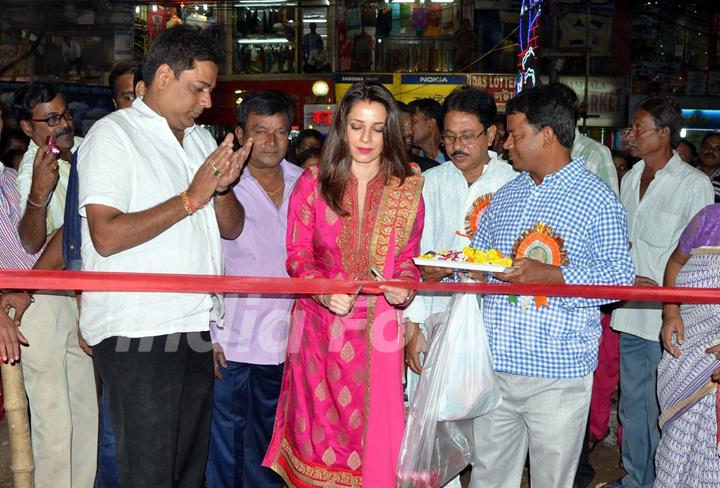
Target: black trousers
160, 395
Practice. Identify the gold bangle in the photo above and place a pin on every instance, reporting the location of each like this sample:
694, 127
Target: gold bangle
187, 203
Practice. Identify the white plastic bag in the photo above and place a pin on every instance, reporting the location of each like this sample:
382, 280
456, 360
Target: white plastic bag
457, 384
471, 388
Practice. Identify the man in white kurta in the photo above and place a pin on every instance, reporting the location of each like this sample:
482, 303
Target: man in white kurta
455, 194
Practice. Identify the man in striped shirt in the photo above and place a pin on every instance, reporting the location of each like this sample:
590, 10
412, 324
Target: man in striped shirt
12, 256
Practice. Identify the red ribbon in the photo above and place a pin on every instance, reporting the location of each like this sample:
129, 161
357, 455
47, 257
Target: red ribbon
146, 282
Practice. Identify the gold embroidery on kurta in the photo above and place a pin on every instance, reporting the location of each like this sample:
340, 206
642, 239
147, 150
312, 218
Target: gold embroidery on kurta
305, 214
334, 372
313, 474
306, 449
328, 456
332, 415
354, 461
355, 419
344, 398
336, 329
330, 217
321, 391
300, 424
348, 352
318, 434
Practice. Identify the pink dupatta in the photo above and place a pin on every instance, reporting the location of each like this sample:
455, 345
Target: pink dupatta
340, 415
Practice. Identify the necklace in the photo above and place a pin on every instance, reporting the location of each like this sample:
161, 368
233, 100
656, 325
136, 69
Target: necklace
275, 191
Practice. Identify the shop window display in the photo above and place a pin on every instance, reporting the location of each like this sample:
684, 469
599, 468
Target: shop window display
374, 35
267, 38
151, 20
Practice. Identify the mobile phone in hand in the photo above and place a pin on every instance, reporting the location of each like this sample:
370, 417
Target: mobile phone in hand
52, 148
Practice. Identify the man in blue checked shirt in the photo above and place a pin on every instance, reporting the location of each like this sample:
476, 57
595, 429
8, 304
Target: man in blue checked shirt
544, 355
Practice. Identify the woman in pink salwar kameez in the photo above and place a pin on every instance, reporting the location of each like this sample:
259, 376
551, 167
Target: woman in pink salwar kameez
340, 415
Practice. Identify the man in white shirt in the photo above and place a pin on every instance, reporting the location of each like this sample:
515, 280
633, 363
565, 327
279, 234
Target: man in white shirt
661, 194
455, 194
155, 196
59, 377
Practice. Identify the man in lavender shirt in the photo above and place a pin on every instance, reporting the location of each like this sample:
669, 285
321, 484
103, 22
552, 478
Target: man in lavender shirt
249, 347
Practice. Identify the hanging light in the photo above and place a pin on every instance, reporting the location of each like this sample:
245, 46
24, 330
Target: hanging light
320, 88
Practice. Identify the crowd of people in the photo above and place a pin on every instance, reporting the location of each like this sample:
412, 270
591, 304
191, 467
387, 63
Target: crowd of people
247, 390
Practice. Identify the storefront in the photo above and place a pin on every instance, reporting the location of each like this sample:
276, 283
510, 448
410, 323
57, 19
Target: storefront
226, 97
401, 36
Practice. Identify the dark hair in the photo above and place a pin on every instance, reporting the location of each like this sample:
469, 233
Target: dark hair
473, 101
666, 112
180, 47
429, 107
707, 136
121, 68
10, 156
313, 152
693, 149
305, 133
28, 96
8, 134
546, 106
138, 75
336, 163
570, 97
268, 102
404, 108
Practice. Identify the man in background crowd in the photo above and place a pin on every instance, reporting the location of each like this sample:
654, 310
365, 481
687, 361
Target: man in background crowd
709, 160
427, 125
122, 85
406, 114
661, 194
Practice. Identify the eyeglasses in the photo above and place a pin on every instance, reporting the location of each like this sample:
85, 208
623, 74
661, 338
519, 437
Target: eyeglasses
55, 119
638, 132
468, 139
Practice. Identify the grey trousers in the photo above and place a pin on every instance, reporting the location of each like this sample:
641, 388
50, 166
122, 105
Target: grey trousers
546, 417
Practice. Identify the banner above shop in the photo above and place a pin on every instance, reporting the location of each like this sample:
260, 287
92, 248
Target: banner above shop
343, 81
607, 99
500, 86
429, 85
